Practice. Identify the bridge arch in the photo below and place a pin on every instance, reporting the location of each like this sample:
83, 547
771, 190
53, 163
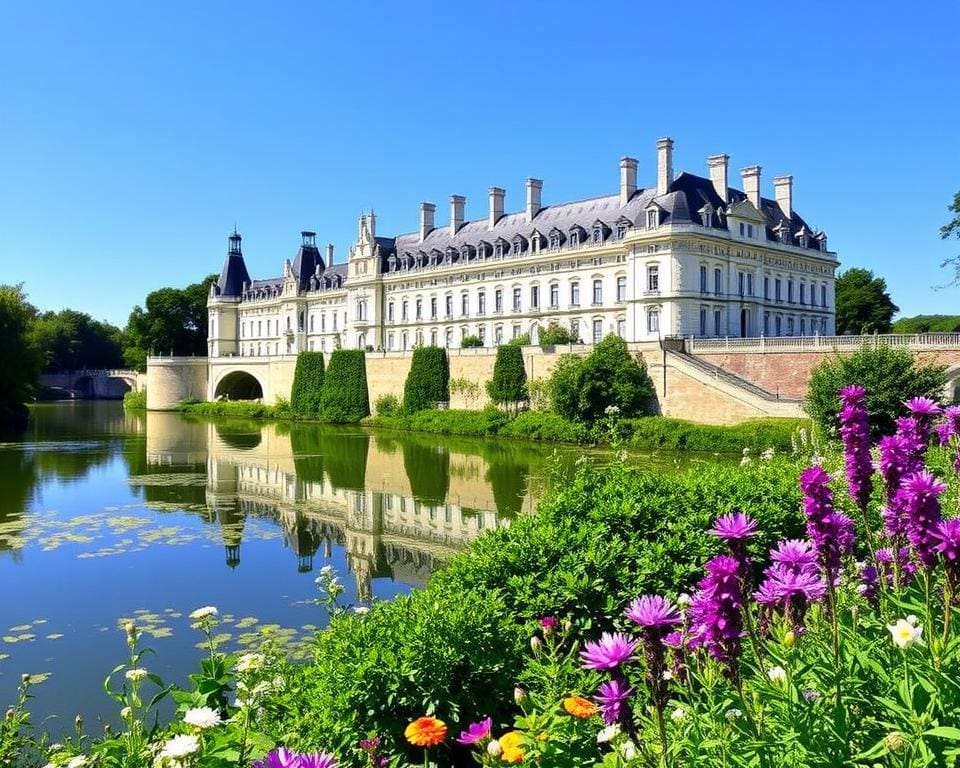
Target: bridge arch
238, 385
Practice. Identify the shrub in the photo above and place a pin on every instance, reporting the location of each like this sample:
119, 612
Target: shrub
428, 381
538, 392
509, 382
523, 340
555, 334
469, 389
135, 401
544, 425
244, 409
471, 341
344, 398
890, 377
450, 422
307, 385
660, 432
386, 405
564, 386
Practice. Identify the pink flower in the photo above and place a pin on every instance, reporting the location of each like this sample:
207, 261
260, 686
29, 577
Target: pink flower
653, 611
609, 652
476, 732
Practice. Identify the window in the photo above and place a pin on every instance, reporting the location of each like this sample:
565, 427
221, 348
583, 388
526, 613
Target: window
311, 322
790, 291
389, 341
803, 326
749, 283
419, 309
597, 330
404, 339
498, 249
404, 313
534, 297
749, 230
575, 238
598, 234
622, 288
622, 328
334, 321
703, 321
301, 322
653, 280
803, 294
741, 283
389, 312
621, 230
362, 309
743, 229
717, 322
498, 335
516, 299
823, 295
789, 326
518, 245
575, 294
823, 326
717, 280
554, 295
464, 304
778, 325
766, 323
482, 334
766, 288
516, 331
433, 337
433, 307
554, 239
447, 338
777, 292
575, 331
498, 301
706, 217
651, 219
813, 296
598, 291
653, 321
288, 323
703, 279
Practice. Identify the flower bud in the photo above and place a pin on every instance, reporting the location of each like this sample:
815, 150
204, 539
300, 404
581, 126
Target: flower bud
78, 722
789, 639
535, 643
567, 627
24, 679
519, 695
894, 741
683, 601
493, 748
131, 630
126, 713
11, 713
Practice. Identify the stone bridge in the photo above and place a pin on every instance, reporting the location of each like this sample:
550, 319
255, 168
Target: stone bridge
99, 384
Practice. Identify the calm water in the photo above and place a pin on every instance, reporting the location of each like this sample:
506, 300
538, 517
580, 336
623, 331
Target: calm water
107, 516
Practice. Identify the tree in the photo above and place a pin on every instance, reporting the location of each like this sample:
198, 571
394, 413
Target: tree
345, 398
307, 385
509, 383
555, 334
927, 324
952, 229
18, 355
564, 386
889, 375
471, 341
174, 320
428, 381
523, 340
863, 304
69, 341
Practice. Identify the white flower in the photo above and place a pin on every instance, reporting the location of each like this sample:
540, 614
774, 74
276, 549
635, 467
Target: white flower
733, 714
905, 634
767, 454
202, 717
667, 674
327, 570
249, 662
126, 713
913, 620
180, 746
683, 601
362, 609
78, 762
678, 714
493, 748
608, 733
777, 675
628, 749
136, 674
207, 612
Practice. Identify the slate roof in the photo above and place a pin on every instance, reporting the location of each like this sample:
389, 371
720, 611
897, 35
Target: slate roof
233, 276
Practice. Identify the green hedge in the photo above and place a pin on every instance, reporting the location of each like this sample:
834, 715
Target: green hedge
135, 401
509, 382
456, 648
244, 409
445, 422
428, 382
344, 398
307, 385
544, 425
654, 432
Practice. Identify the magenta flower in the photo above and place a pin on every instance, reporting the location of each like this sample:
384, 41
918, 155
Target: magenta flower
790, 592
795, 554
653, 611
734, 527
317, 760
855, 435
476, 732
830, 531
869, 582
884, 558
923, 407
947, 537
716, 612
548, 623
284, 758
609, 652
921, 491
613, 696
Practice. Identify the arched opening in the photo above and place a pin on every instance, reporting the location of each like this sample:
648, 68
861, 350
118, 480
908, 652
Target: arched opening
84, 387
744, 323
115, 387
239, 385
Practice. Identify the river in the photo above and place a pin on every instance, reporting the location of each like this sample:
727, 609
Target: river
107, 516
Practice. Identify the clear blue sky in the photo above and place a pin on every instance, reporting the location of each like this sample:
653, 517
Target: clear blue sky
134, 135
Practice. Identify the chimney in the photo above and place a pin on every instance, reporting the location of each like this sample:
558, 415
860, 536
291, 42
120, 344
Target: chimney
718, 165
372, 224
426, 219
628, 179
783, 191
534, 188
329, 254
751, 184
496, 206
664, 164
457, 203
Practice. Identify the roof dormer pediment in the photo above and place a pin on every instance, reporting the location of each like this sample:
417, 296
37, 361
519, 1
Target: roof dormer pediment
745, 210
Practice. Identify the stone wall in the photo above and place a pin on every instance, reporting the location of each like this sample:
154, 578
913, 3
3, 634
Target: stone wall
172, 379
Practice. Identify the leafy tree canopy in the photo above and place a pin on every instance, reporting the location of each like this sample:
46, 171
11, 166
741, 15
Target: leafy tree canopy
863, 303
172, 320
555, 334
952, 229
69, 341
927, 324
20, 358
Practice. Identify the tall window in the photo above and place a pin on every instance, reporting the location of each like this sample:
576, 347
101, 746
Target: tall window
789, 326
803, 326
498, 300
621, 231
803, 294
389, 313
790, 291
482, 333
703, 321
823, 295
534, 297
311, 322
516, 299
516, 331
621, 288
777, 293
554, 295
433, 307
481, 301
598, 291
717, 281
749, 283
717, 322
653, 321
741, 283
419, 309
389, 341
433, 337
778, 325
766, 323
403, 338
653, 278
622, 328
597, 330
498, 335
766, 288
404, 314
575, 331
464, 304
575, 294
703, 278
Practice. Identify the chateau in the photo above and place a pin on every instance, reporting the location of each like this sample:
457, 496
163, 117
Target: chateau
689, 256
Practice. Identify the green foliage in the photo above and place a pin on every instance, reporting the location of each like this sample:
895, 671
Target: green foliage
890, 377
523, 340
471, 341
544, 425
19, 359
863, 303
927, 324
242, 409
467, 388
538, 391
386, 405
173, 320
307, 385
952, 229
555, 334
345, 398
563, 386
135, 401
509, 382
428, 382
70, 341
445, 422
660, 432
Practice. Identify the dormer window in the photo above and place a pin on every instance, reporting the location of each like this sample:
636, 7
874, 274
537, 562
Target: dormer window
621, 230
465, 253
598, 234
498, 250
392, 262
706, 216
802, 238
555, 239
822, 240
518, 245
575, 238
483, 250
535, 242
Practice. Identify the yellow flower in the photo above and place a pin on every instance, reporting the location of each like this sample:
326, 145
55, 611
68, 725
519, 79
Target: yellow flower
511, 747
426, 732
579, 707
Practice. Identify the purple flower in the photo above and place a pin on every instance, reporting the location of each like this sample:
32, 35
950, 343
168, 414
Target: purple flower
923, 407
948, 540
548, 623
923, 515
612, 696
855, 435
869, 582
907, 567
734, 527
717, 612
609, 652
830, 531
653, 611
284, 758
370, 745
476, 732
790, 592
317, 760
795, 554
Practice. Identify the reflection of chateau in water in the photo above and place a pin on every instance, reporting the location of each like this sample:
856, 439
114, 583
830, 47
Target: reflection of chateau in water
398, 505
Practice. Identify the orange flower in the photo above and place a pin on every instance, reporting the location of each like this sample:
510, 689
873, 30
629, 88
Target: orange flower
426, 732
580, 707
510, 747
